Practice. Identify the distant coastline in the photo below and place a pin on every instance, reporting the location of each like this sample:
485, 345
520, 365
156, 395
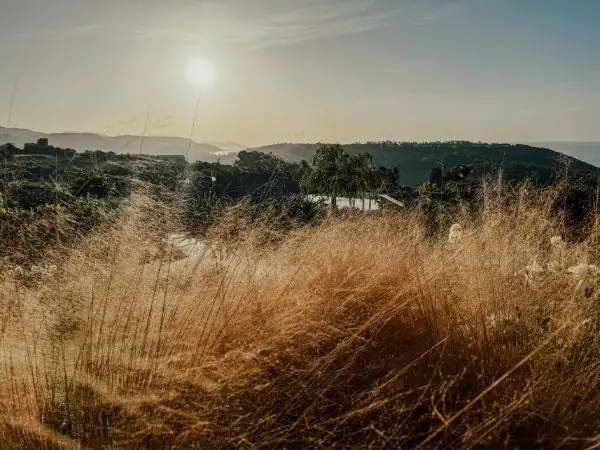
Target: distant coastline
585, 151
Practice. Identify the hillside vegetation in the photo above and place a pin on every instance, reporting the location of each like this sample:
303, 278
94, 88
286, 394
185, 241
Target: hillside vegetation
50, 195
415, 160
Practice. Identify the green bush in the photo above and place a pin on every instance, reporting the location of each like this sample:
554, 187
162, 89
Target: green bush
31, 194
26, 233
88, 212
92, 183
163, 174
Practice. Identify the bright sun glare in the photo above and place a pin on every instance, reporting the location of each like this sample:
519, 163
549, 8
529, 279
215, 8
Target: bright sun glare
200, 72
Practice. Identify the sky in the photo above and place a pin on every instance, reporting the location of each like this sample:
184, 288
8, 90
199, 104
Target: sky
305, 70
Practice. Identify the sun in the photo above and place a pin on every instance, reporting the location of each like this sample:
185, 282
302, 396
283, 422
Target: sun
200, 72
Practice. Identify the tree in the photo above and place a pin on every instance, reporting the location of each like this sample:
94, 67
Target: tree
387, 179
335, 172
362, 174
436, 176
92, 183
329, 172
8, 150
459, 173
458, 181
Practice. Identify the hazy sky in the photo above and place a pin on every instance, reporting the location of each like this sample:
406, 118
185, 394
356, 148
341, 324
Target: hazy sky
306, 70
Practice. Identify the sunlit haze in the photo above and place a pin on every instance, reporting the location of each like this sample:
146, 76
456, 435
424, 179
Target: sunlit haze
200, 72
305, 70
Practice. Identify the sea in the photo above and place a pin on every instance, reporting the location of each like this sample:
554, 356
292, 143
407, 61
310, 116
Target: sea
585, 151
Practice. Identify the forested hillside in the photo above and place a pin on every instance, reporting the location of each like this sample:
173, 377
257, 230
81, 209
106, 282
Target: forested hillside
415, 160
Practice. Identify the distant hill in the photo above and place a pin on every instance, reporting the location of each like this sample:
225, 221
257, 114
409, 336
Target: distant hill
152, 145
415, 160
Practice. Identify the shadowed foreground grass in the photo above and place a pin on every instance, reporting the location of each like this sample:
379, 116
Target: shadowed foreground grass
357, 333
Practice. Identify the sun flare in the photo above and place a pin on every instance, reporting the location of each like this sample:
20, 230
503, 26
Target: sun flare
200, 72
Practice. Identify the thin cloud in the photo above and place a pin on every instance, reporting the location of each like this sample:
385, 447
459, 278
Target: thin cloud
572, 109
264, 24
446, 8
67, 32
313, 20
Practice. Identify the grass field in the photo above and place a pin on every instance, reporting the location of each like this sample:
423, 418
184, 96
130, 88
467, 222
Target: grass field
362, 332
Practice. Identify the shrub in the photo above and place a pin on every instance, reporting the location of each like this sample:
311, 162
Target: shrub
93, 183
31, 194
89, 212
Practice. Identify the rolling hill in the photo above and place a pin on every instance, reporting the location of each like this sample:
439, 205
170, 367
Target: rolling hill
153, 145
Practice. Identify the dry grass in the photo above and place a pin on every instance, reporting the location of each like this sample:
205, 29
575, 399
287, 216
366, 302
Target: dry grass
358, 333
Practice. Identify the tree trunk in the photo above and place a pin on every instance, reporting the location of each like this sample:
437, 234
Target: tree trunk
334, 197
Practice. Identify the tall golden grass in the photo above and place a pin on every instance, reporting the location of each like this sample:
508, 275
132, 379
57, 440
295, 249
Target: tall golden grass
359, 333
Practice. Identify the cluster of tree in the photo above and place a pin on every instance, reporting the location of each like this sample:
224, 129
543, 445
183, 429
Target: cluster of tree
336, 173
333, 172
263, 178
254, 177
455, 184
